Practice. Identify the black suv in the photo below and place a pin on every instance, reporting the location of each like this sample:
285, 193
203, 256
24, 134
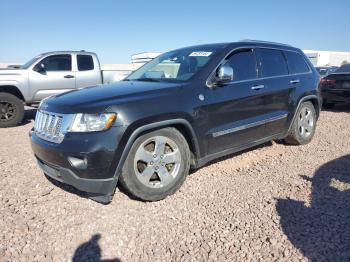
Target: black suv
179, 111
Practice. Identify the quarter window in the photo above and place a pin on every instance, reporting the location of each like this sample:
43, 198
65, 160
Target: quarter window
85, 62
272, 63
243, 64
57, 63
296, 63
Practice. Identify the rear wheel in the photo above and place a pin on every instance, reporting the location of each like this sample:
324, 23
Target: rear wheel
303, 126
157, 165
11, 110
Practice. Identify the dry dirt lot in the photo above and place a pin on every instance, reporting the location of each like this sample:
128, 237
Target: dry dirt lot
271, 203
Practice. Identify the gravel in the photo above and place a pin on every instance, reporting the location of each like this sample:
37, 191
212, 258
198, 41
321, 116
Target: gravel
271, 203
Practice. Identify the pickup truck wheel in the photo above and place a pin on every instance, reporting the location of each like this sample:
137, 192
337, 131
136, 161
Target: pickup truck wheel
303, 126
11, 110
157, 165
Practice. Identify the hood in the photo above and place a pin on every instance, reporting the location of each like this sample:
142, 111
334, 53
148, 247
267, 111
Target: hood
7, 71
98, 98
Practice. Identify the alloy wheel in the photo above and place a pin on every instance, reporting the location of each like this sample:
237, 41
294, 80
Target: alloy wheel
157, 162
306, 122
7, 111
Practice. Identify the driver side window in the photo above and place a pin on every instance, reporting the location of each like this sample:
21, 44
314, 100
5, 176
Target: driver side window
243, 64
57, 63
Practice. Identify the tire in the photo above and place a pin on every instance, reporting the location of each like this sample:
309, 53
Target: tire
303, 126
157, 165
11, 110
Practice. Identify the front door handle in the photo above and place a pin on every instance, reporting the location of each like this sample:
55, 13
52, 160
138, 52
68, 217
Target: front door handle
258, 87
68, 76
294, 81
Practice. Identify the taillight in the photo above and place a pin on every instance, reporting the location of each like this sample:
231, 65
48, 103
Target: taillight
326, 81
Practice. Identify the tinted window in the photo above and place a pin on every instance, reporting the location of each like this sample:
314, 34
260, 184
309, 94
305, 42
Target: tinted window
297, 64
58, 63
243, 64
85, 62
273, 63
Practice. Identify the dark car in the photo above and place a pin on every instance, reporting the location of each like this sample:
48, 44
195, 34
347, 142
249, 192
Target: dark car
335, 87
326, 70
179, 111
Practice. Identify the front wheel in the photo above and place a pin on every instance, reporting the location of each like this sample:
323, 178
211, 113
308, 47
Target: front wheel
157, 165
303, 126
11, 110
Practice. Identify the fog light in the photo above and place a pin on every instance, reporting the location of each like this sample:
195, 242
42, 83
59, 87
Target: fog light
80, 163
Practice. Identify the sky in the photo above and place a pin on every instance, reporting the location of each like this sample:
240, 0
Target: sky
117, 29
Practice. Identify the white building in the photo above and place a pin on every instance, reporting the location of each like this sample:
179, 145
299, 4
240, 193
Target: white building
144, 57
327, 58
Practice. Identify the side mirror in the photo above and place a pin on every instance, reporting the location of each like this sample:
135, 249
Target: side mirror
224, 74
40, 68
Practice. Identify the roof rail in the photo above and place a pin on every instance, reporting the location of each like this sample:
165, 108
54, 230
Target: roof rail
263, 42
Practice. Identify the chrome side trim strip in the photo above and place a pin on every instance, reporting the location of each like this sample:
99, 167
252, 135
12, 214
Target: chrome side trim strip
240, 128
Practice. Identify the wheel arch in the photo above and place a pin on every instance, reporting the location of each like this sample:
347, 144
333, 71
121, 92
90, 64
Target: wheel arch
182, 125
13, 90
314, 99
316, 103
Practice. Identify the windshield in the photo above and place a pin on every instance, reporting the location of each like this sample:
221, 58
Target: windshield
30, 62
333, 69
174, 66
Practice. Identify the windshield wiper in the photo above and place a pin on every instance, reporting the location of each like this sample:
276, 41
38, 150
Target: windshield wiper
146, 79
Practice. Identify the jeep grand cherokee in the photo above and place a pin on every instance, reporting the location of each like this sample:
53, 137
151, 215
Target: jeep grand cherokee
179, 111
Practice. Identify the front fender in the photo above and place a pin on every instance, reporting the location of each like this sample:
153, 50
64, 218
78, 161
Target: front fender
131, 134
20, 84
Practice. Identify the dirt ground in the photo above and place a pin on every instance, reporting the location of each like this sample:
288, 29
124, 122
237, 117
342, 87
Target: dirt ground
271, 203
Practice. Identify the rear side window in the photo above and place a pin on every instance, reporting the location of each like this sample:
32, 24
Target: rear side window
85, 62
272, 63
243, 64
297, 63
57, 63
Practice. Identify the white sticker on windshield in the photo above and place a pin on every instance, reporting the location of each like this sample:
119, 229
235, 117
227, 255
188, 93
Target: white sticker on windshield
200, 54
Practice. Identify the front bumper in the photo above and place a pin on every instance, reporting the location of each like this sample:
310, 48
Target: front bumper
64, 175
98, 150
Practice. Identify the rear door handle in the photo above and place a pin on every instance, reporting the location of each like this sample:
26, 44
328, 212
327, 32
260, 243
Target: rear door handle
294, 81
68, 76
258, 87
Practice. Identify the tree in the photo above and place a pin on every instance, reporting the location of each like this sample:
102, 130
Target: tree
344, 62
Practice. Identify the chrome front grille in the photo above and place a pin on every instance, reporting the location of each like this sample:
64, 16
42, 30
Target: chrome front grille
49, 126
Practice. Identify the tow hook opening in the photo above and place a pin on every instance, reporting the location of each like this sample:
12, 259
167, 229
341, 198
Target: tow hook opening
78, 162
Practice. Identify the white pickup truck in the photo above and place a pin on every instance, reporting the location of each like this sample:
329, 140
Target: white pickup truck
45, 75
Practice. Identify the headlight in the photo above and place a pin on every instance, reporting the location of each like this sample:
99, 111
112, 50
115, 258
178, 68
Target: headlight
92, 122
